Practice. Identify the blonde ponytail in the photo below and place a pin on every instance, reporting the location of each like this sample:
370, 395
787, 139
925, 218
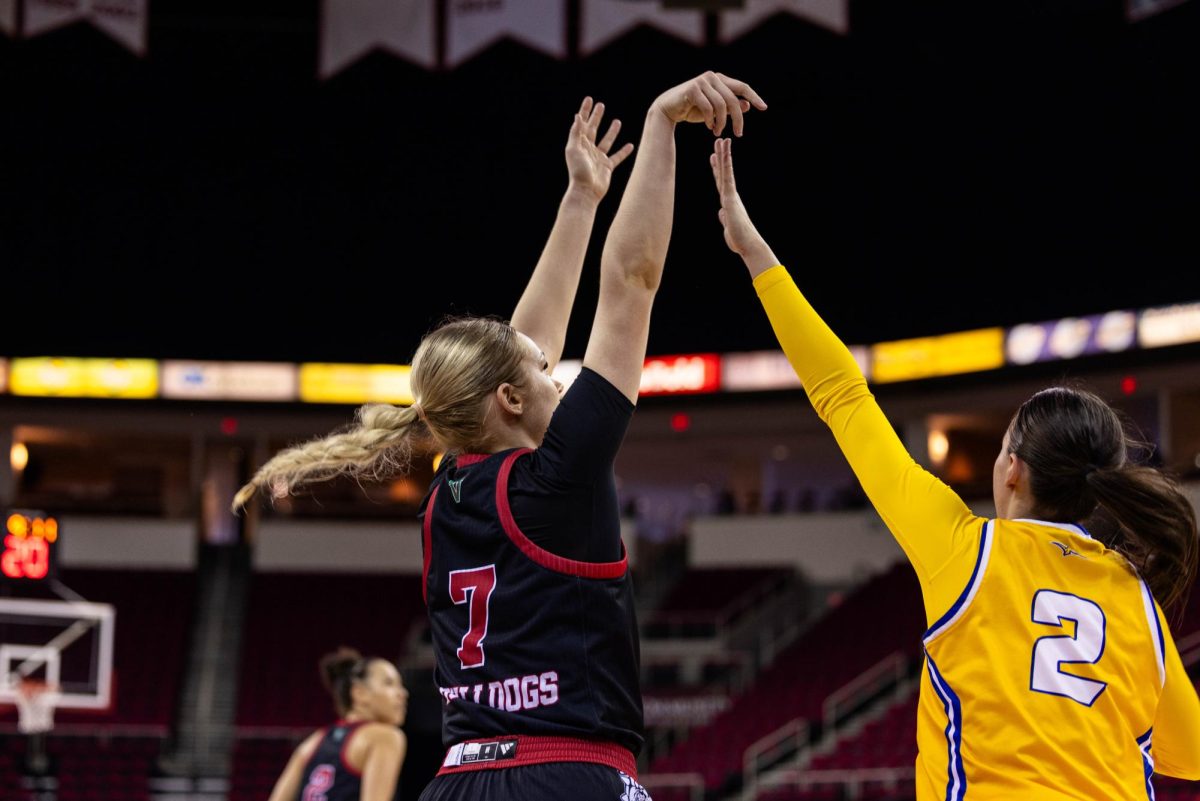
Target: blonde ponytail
455, 371
379, 445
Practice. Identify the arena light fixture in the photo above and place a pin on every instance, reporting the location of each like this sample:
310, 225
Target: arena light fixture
18, 456
939, 446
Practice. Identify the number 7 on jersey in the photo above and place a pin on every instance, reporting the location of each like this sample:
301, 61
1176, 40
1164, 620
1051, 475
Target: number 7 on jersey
473, 587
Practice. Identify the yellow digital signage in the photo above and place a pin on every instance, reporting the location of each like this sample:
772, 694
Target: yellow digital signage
948, 354
355, 383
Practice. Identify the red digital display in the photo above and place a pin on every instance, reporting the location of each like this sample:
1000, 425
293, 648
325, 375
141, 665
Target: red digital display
28, 547
679, 375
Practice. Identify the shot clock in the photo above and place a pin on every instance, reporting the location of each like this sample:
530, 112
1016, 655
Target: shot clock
29, 546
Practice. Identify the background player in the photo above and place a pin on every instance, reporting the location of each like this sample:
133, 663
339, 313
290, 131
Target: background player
1050, 672
359, 757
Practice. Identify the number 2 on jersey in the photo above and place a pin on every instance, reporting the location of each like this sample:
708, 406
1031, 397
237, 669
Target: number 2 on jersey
1084, 647
474, 588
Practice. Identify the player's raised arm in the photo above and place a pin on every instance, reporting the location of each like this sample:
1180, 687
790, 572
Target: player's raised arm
545, 307
928, 519
636, 247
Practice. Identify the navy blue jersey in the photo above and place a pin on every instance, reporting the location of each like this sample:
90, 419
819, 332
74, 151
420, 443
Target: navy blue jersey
529, 641
327, 776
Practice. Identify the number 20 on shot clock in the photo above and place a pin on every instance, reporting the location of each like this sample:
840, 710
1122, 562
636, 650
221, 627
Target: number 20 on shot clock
29, 546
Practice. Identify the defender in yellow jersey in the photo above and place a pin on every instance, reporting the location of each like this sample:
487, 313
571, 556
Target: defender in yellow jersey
1050, 674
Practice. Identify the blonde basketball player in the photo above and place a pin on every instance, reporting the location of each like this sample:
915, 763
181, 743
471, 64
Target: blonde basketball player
1050, 674
526, 582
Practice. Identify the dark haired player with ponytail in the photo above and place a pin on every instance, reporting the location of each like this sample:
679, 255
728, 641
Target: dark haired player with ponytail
359, 757
1050, 674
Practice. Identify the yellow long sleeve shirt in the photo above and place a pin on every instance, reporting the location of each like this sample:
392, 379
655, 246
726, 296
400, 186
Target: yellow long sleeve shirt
1050, 672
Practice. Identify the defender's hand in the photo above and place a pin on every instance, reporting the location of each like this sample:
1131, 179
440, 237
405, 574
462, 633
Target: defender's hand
740, 234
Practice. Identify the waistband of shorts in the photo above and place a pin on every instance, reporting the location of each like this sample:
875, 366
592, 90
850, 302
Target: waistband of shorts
518, 750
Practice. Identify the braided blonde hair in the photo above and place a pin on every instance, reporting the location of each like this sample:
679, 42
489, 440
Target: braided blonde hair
455, 371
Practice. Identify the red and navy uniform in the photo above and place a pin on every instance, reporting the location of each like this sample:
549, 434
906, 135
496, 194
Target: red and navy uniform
328, 776
530, 598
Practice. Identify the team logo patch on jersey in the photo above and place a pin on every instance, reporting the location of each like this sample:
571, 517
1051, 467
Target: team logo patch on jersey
471, 753
1066, 551
456, 488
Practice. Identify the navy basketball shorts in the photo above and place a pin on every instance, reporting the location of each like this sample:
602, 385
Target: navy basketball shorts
550, 781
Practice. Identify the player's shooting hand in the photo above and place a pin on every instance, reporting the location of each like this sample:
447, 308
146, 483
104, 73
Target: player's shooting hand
711, 98
589, 163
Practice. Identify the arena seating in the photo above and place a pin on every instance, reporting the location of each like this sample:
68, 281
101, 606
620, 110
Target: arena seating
113, 770
704, 602
1166, 789
293, 619
887, 742
257, 763
871, 792
883, 616
711, 591
89, 768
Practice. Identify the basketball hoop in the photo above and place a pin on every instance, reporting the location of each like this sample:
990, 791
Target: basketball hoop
36, 700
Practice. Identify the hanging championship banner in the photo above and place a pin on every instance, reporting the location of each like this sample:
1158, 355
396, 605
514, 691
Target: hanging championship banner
8, 17
473, 25
604, 20
352, 28
831, 14
123, 20
1140, 9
